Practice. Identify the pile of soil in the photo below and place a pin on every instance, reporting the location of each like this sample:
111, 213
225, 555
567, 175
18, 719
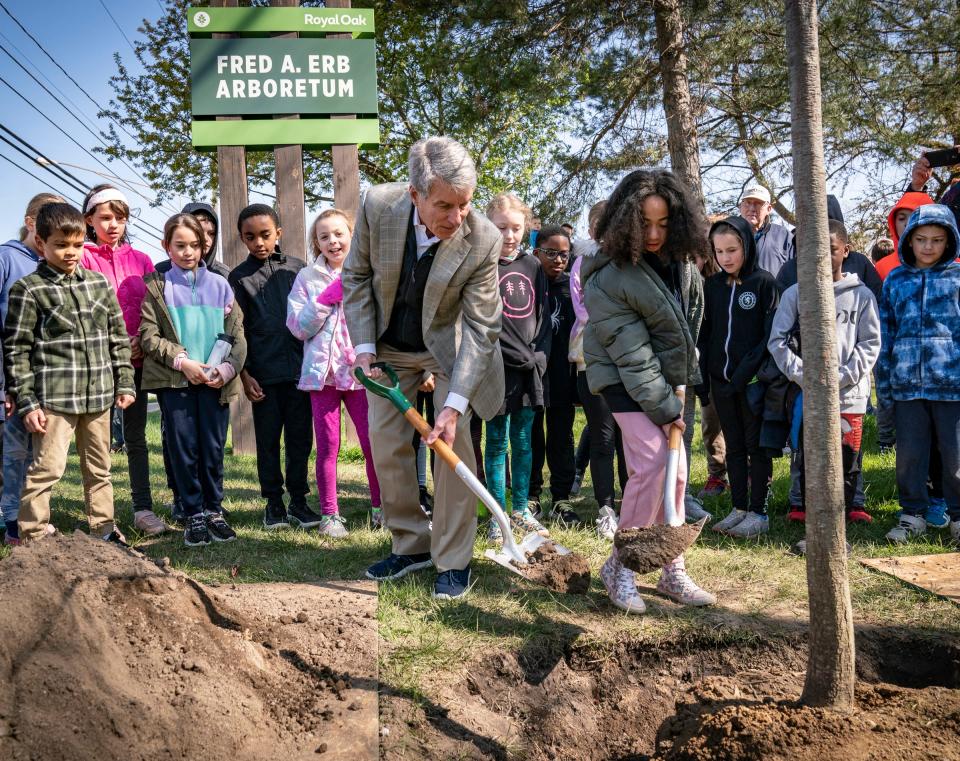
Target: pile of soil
108, 655
887, 723
646, 549
691, 699
568, 573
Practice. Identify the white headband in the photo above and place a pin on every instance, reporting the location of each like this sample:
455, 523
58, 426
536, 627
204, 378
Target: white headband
107, 194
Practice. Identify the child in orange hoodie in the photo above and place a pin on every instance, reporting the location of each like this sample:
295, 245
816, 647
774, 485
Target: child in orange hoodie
896, 221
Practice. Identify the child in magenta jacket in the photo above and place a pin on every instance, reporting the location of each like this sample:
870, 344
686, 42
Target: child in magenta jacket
315, 316
108, 251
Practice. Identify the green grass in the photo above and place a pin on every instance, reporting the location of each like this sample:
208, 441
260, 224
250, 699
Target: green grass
760, 586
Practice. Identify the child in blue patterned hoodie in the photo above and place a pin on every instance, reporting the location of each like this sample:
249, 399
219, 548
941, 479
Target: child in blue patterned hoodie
919, 364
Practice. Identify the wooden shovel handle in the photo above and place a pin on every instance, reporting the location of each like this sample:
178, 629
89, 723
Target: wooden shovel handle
441, 447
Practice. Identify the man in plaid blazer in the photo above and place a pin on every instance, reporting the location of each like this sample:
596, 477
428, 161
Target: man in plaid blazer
420, 292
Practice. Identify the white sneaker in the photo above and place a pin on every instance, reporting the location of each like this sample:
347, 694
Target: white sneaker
607, 523
621, 586
676, 584
693, 509
909, 527
752, 525
149, 523
730, 521
955, 531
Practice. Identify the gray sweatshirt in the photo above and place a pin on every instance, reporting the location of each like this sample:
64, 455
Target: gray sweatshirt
857, 337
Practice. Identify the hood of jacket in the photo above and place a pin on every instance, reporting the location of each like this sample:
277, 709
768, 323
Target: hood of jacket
21, 249
193, 208
745, 231
910, 200
930, 214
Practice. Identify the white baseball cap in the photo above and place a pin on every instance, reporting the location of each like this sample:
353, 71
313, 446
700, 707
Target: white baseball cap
758, 192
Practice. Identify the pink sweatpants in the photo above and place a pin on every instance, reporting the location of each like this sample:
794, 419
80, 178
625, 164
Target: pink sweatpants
645, 449
326, 426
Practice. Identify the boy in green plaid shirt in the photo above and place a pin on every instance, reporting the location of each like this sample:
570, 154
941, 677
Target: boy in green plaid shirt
67, 360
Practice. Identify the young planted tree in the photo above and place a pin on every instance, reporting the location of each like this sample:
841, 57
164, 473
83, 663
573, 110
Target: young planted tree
830, 665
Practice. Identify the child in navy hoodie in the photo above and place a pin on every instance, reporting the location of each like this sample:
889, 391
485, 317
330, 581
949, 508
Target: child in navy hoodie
740, 302
919, 366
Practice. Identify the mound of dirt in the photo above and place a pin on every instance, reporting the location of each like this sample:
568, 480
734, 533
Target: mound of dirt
646, 549
562, 573
107, 655
888, 723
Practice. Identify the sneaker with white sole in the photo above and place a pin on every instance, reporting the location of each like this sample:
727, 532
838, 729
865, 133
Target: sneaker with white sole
607, 523
752, 525
676, 584
524, 522
621, 586
910, 526
333, 526
149, 523
730, 521
936, 515
693, 509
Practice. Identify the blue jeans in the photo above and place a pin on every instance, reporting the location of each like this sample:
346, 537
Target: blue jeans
517, 426
17, 456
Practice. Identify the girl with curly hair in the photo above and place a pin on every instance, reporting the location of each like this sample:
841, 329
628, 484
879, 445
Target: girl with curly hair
645, 300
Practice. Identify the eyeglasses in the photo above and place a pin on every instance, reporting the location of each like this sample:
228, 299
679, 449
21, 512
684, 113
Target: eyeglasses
552, 253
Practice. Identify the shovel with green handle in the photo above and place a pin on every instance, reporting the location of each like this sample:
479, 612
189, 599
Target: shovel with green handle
512, 556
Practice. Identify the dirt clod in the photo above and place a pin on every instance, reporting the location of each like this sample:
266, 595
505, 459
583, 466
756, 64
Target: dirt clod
302, 617
562, 573
647, 549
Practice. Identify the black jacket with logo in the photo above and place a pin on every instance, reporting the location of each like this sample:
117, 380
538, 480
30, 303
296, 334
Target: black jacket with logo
737, 319
261, 287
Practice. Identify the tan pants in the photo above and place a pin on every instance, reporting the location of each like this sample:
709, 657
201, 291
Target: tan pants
713, 442
50, 463
454, 505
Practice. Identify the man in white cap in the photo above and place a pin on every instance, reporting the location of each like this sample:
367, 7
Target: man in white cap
774, 241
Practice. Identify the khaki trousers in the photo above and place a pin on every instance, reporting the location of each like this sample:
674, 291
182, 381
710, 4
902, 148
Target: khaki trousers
50, 463
454, 505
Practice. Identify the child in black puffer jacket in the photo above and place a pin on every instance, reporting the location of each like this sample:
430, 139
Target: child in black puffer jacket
740, 302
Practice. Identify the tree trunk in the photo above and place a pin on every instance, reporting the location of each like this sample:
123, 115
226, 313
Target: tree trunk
830, 665
677, 104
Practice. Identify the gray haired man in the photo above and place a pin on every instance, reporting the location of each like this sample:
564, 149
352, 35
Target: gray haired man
420, 292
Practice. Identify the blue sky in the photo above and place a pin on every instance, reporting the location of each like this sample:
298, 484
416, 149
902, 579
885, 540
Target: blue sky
82, 38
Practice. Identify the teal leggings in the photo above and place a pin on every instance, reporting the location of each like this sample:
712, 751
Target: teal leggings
518, 427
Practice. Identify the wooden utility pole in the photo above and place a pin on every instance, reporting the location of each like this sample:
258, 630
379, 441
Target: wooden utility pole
346, 162
830, 663
288, 160
232, 172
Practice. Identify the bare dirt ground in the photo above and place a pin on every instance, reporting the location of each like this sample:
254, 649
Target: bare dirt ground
692, 701
109, 655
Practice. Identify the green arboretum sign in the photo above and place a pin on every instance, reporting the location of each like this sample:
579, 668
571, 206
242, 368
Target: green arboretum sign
254, 77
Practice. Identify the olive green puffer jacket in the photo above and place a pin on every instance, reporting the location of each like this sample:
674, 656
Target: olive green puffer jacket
638, 334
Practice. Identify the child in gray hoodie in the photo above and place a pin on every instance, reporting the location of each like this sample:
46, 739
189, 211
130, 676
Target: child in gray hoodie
858, 346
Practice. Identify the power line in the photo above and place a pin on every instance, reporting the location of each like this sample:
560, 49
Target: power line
20, 150
39, 155
72, 139
40, 180
119, 28
57, 64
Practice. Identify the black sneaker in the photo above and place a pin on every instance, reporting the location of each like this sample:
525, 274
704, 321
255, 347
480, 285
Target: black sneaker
115, 537
533, 505
275, 514
218, 528
398, 566
196, 533
563, 511
452, 584
303, 515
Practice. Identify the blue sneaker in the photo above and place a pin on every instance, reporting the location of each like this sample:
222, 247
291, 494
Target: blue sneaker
452, 584
398, 566
937, 513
